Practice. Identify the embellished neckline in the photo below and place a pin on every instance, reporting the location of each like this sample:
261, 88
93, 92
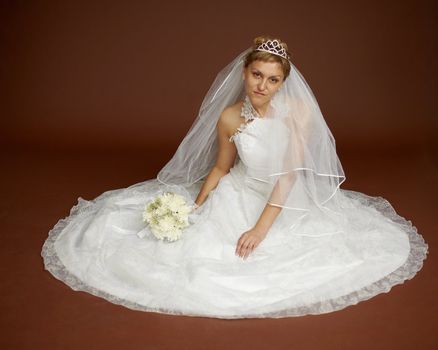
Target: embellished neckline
248, 111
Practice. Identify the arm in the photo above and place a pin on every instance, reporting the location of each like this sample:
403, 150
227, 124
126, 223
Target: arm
286, 181
249, 240
271, 210
225, 158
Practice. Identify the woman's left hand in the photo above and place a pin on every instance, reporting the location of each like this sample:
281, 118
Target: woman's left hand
248, 241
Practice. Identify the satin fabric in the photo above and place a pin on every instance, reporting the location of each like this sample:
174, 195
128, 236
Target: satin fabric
320, 264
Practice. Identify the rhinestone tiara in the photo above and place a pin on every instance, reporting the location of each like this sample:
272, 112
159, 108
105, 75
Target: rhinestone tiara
274, 47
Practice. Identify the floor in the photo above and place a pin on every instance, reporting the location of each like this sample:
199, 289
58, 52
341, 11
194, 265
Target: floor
38, 311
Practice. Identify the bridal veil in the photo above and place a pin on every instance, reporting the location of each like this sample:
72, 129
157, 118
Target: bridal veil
303, 168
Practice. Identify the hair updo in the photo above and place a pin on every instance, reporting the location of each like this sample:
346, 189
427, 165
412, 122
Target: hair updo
255, 55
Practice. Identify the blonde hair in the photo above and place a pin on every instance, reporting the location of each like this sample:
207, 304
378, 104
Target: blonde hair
255, 55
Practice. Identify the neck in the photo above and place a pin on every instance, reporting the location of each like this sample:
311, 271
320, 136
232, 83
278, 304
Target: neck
260, 109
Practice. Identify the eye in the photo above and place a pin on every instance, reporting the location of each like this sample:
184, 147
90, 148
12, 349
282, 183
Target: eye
274, 80
256, 74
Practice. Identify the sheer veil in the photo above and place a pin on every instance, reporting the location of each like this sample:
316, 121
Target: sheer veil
197, 152
303, 168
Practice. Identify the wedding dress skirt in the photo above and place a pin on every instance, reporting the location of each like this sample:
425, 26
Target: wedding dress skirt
318, 266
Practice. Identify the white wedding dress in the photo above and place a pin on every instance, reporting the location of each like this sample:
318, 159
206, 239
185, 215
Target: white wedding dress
318, 266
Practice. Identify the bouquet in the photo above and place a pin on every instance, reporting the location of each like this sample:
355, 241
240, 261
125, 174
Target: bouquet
167, 215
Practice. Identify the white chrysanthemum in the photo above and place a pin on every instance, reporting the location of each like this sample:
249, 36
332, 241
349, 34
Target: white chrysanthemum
178, 200
147, 215
167, 223
168, 228
175, 207
166, 198
160, 211
167, 215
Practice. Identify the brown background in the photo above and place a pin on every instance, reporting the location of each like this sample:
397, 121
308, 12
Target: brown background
98, 95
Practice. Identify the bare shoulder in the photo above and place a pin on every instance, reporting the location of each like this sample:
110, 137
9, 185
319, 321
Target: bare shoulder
230, 118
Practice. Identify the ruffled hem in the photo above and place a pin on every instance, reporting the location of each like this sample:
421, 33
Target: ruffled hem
414, 262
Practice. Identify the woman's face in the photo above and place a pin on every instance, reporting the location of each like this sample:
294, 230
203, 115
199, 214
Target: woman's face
262, 81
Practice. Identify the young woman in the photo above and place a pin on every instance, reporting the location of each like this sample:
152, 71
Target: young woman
272, 234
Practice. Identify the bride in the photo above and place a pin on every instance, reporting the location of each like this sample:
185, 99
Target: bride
271, 232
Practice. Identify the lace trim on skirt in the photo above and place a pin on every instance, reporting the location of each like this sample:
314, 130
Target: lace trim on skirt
412, 265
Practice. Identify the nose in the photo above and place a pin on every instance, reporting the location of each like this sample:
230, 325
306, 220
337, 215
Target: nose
262, 85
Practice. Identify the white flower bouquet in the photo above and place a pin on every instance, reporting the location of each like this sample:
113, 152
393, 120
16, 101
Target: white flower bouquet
167, 215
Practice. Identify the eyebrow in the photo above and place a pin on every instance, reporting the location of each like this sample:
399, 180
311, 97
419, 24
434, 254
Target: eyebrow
272, 76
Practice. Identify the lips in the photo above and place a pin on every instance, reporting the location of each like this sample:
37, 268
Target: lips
259, 93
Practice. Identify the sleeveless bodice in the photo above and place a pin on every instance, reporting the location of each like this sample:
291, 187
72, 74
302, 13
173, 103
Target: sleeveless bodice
253, 140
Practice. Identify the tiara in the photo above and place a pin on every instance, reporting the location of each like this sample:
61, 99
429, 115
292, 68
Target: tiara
274, 47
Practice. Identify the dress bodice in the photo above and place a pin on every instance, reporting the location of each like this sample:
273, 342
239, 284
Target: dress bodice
253, 140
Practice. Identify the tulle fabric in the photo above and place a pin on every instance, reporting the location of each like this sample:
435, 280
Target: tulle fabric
319, 265
197, 153
166, 297
300, 161
327, 249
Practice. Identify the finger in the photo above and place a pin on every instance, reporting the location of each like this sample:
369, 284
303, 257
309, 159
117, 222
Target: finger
240, 244
247, 248
248, 251
256, 243
240, 240
237, 247
253, 245
246, 254
241, 250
